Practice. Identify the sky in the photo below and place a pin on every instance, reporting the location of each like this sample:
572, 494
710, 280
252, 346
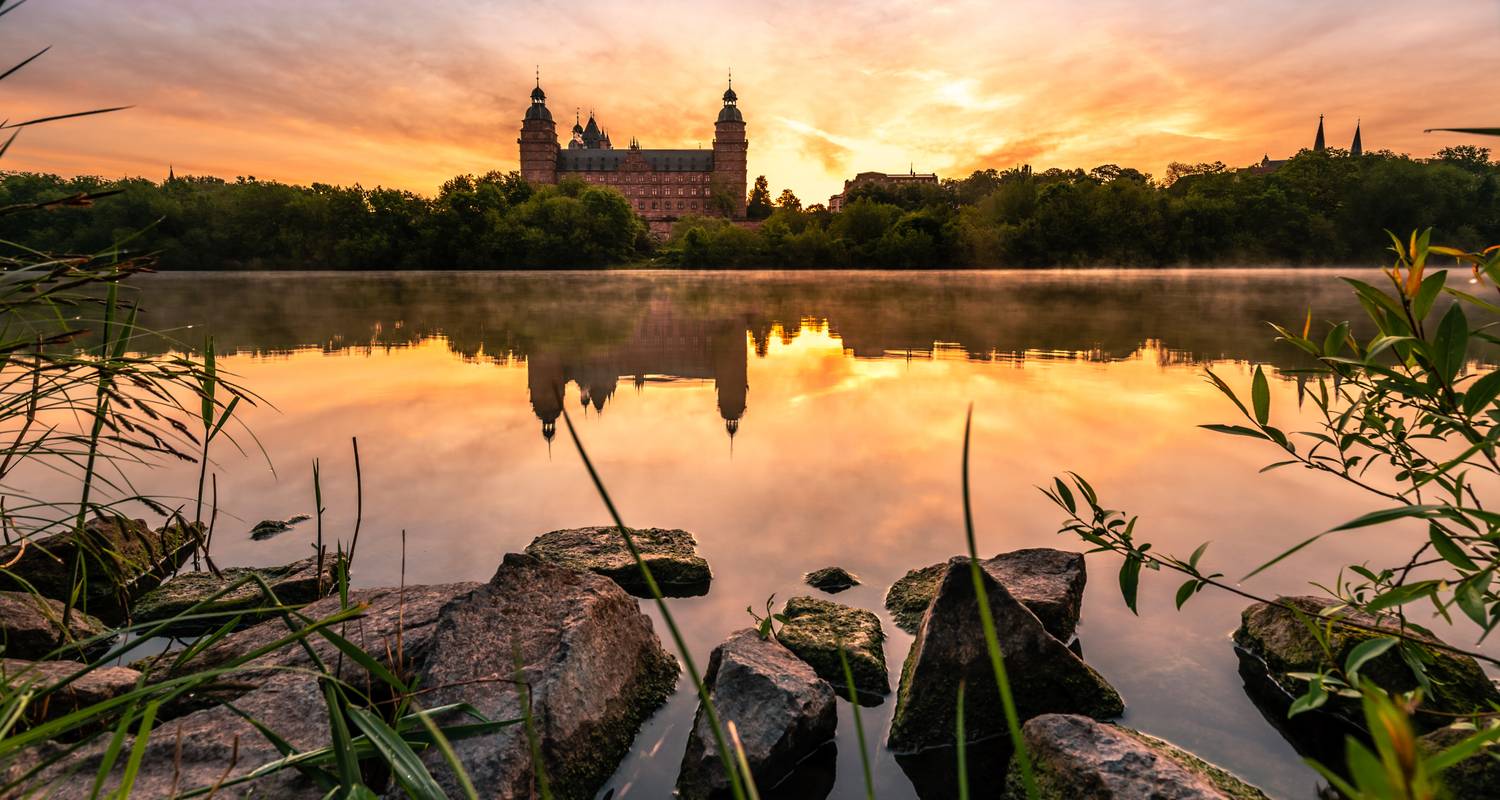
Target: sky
403, 94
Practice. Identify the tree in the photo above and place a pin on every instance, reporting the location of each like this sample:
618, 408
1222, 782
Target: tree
788, 200
758, 206
1467, 157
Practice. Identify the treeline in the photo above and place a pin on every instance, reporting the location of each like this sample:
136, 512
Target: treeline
1317, 208
487, 222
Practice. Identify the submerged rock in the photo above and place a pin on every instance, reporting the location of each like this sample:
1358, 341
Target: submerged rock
782, 711
122, 558
1475, 776
1078, 757
267, 528
672, 556
1045, 676
31, 626
95, 686
1276, 635
594, 666
831, 579
294, 584
1049, 582
813, 631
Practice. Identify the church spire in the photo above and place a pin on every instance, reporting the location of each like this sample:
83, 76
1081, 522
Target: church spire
1358, 148
1318, 145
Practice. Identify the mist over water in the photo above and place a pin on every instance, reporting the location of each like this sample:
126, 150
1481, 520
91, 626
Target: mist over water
791, 421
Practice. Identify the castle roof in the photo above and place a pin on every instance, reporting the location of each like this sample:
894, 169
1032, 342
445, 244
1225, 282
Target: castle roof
585, 160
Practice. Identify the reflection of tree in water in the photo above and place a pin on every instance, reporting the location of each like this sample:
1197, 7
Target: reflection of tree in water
594, 329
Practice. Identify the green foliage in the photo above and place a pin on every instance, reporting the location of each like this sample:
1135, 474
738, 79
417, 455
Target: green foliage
765, 625
1411, 417
758, 204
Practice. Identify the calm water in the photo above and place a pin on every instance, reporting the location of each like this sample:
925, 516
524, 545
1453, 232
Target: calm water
791, 421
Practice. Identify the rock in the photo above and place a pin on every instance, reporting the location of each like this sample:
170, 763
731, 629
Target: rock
782, 711
831, 579
93, 687
813, 631
1475, 776
122, 558
672, 556
267, 528
1078, 757
397, 627
595, 668
1049, 582
31, 626
294, 584
1280, 639
1045, 676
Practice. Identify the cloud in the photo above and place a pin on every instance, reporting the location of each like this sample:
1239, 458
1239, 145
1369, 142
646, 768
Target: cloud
381, 92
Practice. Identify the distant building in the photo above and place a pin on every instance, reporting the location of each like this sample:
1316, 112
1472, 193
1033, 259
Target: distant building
1267, 165
836, 202
662, 185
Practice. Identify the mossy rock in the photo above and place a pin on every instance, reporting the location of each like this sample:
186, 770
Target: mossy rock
1048, 582
1476, 776
294, 584
1078, 757
31, 627
814, 629
831, 579
1283, 641
670, 554
123, 558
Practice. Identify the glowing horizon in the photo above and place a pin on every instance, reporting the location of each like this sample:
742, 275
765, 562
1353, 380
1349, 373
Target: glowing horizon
373, 94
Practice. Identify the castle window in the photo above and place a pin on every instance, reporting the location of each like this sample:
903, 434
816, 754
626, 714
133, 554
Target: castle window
653, 205
679, 205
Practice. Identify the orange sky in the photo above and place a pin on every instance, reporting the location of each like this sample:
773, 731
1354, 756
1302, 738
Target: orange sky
408, 94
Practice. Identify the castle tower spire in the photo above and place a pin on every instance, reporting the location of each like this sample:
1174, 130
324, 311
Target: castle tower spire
1358, 148
1318, 145
538, 140
730, 150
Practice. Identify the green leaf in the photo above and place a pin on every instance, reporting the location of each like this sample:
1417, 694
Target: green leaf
1066, 495
1185, 592
1334, 341
1388, 514
1260, 396
1314, 697
1236, 430
138, 750
1452, 342
1431, 287
1130, 579
408, 769
1449, 549
1363, 652
1481, 393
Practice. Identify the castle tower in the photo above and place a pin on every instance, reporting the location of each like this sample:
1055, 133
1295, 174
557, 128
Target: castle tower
538, 140
1318, 145
730, 148
1358, 148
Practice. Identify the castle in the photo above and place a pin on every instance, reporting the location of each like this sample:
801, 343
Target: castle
662, 185
1268, 165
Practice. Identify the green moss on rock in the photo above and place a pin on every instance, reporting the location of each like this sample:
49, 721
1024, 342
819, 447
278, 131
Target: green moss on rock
1283, 641
671, 555
293, 584
813, 631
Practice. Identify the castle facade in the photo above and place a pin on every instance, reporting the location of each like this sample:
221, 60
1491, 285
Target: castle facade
661, 185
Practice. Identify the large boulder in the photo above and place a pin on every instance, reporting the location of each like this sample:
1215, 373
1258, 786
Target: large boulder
595, 669
782, 711
294, 584
1078, 757
121, 558
94, 686
1045, 676
814, 630
199, 748
672, 556
31, 626
1049, 582
1278, 635
1475, 776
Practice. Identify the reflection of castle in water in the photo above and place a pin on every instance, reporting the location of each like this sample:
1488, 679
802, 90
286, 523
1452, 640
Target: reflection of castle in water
662, 346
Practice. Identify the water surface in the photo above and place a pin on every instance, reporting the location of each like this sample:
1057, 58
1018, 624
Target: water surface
792, 421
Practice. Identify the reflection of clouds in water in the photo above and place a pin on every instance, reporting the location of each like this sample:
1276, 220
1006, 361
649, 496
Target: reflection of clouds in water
842, 459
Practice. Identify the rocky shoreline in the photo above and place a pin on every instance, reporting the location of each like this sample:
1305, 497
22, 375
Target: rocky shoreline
564, 620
